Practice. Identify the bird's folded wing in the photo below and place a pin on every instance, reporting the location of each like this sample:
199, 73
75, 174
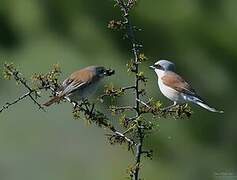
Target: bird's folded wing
176, 82
78, 79
72, 86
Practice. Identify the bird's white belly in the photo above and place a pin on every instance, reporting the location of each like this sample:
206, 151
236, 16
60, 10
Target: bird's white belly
171, 93
84, 93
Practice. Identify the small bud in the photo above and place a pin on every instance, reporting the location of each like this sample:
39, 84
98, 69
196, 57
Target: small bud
115, 25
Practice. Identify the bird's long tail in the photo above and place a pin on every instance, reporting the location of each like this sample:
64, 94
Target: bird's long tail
55, 99
203, 104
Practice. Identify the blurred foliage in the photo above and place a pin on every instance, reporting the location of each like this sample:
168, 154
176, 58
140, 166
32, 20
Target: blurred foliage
199, 36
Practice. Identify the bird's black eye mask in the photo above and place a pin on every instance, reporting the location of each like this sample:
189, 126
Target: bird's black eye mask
157, 66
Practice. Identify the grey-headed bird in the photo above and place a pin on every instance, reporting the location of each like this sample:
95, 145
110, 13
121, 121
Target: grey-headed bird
175, 88
80, 84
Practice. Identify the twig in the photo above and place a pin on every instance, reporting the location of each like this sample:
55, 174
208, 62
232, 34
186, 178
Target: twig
116, 92
123, 108
7, 105
145, 104
35, 102
13, 72
127, 88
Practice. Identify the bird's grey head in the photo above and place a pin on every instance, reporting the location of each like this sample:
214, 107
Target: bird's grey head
101, 71
163, 65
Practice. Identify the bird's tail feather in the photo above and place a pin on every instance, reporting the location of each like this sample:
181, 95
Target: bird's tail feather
204, 105
201, 103
55, 99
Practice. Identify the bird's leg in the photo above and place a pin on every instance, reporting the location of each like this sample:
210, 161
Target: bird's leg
169, 107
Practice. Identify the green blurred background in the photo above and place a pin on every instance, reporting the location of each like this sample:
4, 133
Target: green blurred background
200, 36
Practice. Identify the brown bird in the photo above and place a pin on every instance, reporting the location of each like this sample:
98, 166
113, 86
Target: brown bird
80, 84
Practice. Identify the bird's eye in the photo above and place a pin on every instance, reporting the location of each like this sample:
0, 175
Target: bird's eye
157, 66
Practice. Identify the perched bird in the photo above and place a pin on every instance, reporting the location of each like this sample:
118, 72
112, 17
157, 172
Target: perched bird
175, 88
80, 84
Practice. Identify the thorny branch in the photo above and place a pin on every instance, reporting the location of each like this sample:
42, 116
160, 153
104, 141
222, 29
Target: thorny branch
125, 8
136, 124
10, 71
49, 81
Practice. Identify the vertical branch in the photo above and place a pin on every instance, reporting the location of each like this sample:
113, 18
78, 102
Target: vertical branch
125, 8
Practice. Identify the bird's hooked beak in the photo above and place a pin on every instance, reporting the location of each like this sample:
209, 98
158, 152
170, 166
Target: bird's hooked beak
109, 72
151, 67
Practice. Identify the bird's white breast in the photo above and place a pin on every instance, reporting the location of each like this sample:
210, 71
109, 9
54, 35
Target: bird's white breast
169, 92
